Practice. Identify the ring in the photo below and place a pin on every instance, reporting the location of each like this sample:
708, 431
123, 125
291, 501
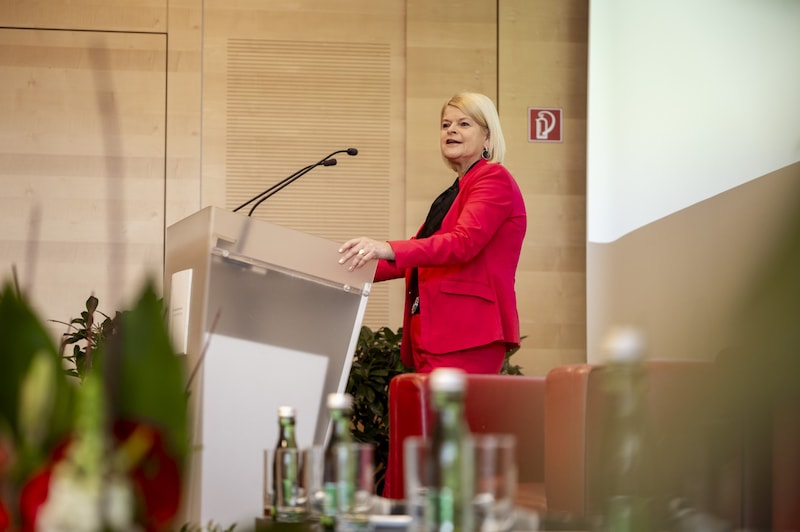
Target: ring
361, 252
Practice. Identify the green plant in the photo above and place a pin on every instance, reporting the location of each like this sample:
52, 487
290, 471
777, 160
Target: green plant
87, 335
375, 362
509, 368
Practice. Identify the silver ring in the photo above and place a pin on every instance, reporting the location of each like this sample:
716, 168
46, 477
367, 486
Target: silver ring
361, 252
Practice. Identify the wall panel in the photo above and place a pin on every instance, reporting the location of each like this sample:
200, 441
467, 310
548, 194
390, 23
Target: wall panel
96, 15
543, 63
184, 109
450, 47
285, 85
82, 151
393, 65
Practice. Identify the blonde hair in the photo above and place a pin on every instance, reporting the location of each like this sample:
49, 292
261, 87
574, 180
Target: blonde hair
480, 108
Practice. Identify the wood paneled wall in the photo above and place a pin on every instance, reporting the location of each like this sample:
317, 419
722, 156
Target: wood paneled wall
254, 91
447, 51
284, 86
543, 60
99, 136
521, 53
82, 157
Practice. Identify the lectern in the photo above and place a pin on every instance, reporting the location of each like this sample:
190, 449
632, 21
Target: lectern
266, 316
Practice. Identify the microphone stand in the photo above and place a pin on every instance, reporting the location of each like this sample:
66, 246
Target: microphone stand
285, 181
277, 187
282, 182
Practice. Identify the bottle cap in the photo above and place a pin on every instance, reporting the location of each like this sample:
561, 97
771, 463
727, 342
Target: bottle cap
448, 380
340, 401
624, 344
286, 411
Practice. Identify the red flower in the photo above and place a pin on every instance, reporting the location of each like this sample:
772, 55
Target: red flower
33, 496
5, 459
34, 492
5, 517
157, 477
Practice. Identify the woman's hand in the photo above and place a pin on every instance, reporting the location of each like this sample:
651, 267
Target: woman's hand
359, 251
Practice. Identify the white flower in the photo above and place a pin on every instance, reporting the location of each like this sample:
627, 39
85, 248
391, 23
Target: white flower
84, 503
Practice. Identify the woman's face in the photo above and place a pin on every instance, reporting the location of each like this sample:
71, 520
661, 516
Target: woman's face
462, 139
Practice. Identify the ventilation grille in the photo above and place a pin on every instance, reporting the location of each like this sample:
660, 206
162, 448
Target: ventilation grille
289, 104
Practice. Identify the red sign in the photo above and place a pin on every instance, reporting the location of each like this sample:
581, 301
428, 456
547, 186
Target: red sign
544, 124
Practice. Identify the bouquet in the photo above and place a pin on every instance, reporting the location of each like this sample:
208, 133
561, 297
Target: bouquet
105, 451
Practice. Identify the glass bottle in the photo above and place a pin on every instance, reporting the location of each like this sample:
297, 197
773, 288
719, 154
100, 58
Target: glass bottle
286, 487
451, 462
627, 469
340, 407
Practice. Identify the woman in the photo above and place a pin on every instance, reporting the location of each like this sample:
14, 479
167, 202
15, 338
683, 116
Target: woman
460, 307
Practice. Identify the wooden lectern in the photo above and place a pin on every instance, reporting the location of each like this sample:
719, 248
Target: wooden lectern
266, 316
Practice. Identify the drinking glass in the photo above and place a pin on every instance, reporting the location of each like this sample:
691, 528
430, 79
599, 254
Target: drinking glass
268, 493
291, 501
354, 486
495, 482
494, 475
313, 480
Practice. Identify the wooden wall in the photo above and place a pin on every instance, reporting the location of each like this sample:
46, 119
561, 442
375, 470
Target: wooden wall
100, 145
213, 101
543, 63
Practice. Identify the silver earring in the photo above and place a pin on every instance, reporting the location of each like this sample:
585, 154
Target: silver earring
486, 153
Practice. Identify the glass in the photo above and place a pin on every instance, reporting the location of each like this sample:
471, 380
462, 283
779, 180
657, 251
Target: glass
354, 486
269, 493
422, 491
313, 480
291, 501
495, 482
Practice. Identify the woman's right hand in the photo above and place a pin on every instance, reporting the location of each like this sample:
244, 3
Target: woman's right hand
359, 251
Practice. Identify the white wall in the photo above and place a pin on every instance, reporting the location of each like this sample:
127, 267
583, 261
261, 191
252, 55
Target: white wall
686, 99
692, 164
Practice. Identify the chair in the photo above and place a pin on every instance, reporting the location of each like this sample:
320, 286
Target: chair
506, 404
682, 427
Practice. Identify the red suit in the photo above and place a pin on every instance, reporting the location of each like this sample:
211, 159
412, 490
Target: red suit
466, 269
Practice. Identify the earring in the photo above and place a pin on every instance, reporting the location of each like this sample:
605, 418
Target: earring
486, 153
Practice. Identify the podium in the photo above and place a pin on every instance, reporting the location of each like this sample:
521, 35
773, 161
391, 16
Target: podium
266, 316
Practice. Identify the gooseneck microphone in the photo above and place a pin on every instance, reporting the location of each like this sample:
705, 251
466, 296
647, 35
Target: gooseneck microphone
280, 185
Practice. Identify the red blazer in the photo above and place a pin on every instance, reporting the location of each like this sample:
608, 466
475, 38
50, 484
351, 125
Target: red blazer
467, 269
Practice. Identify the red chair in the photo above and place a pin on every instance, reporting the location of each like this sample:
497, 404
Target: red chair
692, 453
504, 404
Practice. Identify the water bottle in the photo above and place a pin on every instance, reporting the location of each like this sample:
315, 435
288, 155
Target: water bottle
450, 467
627, 480
340, 407
289, 499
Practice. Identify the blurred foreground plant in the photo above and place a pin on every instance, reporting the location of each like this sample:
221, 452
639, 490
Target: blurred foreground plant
107, 454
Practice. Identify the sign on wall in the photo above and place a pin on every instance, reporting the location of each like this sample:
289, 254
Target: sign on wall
544, 124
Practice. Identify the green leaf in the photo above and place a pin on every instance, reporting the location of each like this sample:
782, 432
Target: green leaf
24, 339
150, 378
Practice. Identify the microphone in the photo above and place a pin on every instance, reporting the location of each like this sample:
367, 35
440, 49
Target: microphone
325, 161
